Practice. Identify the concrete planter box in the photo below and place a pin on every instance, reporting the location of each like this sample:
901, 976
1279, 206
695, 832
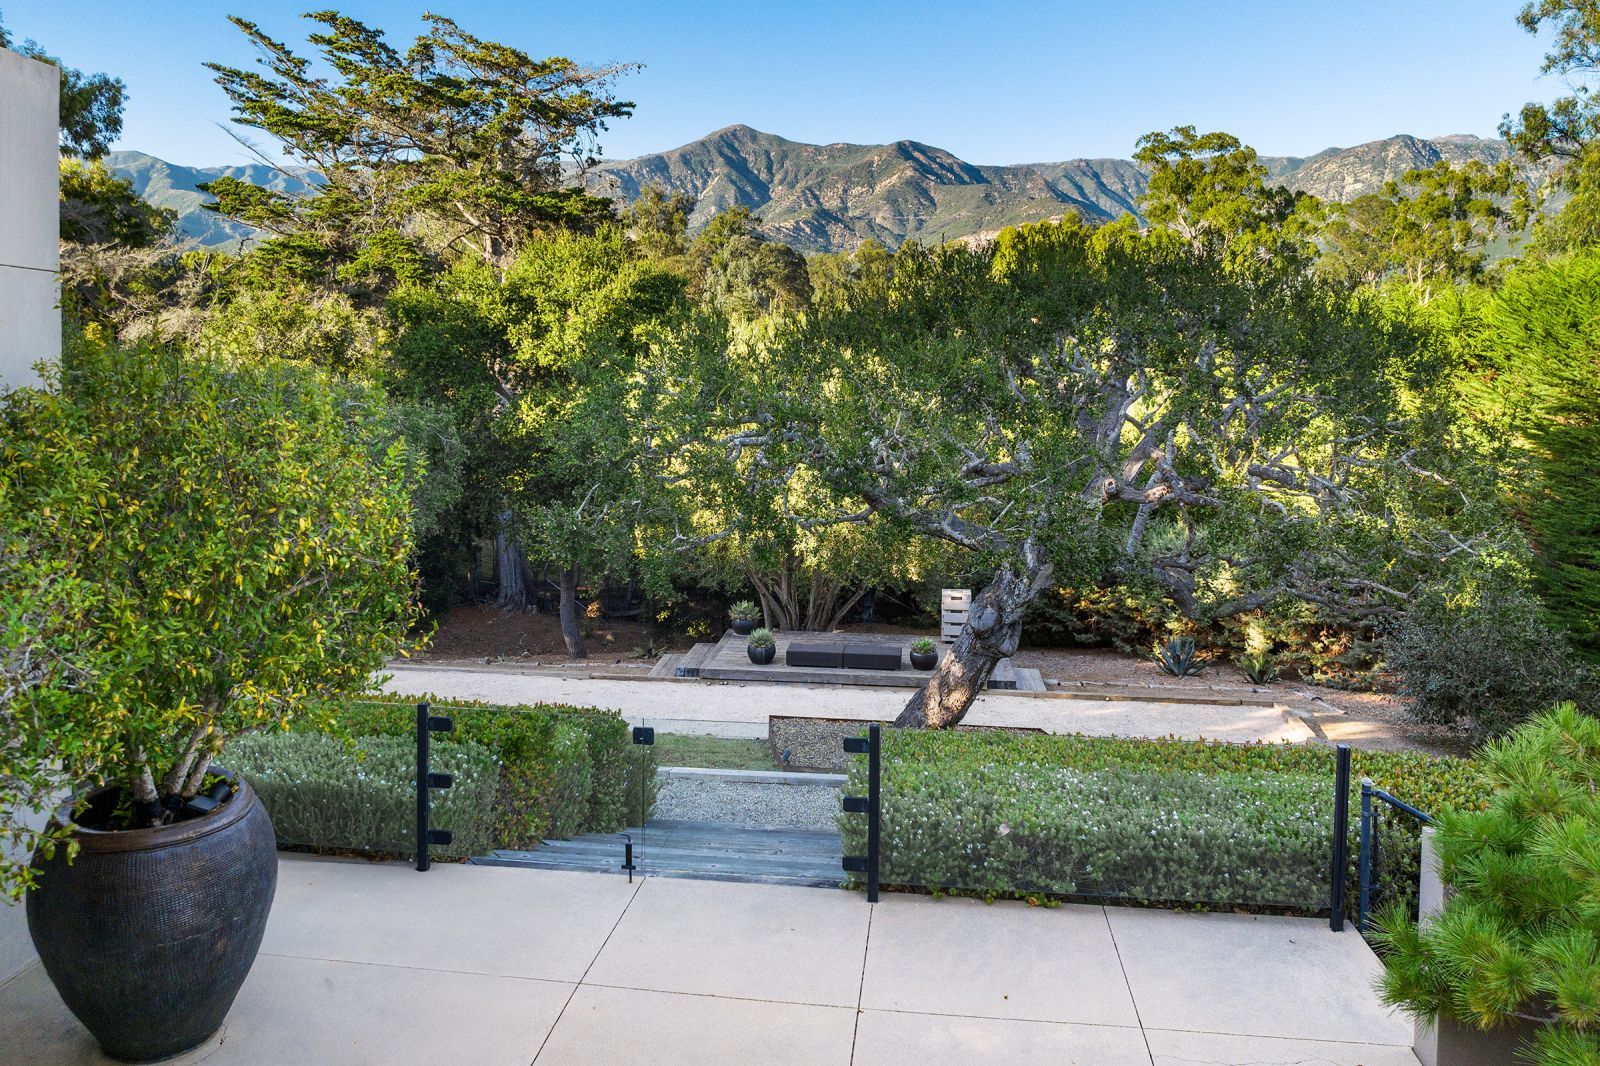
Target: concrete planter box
1445, 1042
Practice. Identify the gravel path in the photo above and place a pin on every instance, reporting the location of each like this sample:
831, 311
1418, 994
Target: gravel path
744, 803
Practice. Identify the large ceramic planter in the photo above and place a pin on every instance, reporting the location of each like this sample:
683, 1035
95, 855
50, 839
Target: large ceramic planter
744, 626
763, 655
924, 660
149, 933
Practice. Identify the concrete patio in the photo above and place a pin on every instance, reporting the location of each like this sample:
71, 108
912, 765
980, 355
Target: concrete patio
378, 964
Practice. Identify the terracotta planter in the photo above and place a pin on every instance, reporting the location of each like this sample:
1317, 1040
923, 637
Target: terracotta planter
149, 933
744, 626
763, 655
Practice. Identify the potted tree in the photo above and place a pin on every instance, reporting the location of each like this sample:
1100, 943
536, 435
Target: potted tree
1510, 965
210, 551
923, 654
745, 616
761, 647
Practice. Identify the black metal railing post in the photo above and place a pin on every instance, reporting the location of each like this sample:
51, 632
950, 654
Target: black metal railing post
1364, 862
643, 736
1341, 837
869, 805
427, 725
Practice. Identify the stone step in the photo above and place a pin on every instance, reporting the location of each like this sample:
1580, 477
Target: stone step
691, 849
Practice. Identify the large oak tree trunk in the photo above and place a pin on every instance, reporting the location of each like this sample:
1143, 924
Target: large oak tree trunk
992, 632
571, 626
511, 571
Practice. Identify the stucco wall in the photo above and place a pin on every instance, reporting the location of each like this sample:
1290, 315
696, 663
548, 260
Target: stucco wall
30, 319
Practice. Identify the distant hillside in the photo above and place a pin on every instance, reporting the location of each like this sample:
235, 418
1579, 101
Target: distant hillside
173, 186
828, 197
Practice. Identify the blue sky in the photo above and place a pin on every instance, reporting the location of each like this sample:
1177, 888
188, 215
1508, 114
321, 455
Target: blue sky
997, 82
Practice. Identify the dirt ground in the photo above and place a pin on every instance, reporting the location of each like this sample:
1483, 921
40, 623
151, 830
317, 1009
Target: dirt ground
485, 634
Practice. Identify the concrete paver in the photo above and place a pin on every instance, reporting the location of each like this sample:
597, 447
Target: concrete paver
999, 960
742, 709
897, 1039
794, 945
369, 964
454, 917
1251, 975
621, 1025
1190, 1049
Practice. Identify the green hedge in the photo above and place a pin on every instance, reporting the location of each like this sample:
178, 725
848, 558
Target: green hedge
1163, 820
323, 792
564, 770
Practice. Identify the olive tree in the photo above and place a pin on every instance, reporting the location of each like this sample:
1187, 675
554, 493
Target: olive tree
238, 558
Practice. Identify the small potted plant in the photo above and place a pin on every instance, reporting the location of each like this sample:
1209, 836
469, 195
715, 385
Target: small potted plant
923, 655
761, 647
745, 614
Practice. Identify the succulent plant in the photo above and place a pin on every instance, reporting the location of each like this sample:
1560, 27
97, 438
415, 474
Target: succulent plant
744, 610
1259, 667
762, 638
1176, 656
922, 645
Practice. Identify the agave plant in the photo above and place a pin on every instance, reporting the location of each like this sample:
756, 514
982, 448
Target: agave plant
1176, 656
1259, 667
922, 645
745, 611
761, 638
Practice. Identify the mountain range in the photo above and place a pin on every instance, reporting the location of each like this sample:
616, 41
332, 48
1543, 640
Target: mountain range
831, 197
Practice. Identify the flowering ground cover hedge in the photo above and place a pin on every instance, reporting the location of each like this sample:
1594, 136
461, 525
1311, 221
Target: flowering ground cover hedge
1159, 821
323, 792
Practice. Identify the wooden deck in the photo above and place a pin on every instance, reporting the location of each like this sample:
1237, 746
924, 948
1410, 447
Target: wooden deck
708, 851
726, 660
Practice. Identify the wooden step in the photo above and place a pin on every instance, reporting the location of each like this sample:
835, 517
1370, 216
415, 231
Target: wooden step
693, 659
667, 665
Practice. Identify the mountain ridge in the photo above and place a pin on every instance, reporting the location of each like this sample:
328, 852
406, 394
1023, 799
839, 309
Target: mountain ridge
832, 197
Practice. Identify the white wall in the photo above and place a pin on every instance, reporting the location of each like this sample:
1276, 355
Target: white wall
30, 318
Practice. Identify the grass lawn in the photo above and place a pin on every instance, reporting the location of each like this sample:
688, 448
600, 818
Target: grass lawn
718, 753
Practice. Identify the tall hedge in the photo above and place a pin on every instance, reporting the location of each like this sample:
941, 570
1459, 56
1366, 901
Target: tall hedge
1543, 327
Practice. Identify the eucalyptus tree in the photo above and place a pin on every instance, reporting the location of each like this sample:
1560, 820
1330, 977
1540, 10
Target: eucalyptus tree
1430, 229
1565, 132
1072, 404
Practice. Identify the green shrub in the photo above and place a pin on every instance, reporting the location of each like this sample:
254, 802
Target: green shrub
540, 766
1477, 653
1519, 935
325, 793
574, 775
1168, 820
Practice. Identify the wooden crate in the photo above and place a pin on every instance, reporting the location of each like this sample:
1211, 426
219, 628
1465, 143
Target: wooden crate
954, 604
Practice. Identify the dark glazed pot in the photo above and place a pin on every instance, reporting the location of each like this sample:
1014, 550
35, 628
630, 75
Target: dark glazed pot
761, 656
924, 660
149, 933
744, 626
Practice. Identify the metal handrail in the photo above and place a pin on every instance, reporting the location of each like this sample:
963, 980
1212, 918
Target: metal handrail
1369, 841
